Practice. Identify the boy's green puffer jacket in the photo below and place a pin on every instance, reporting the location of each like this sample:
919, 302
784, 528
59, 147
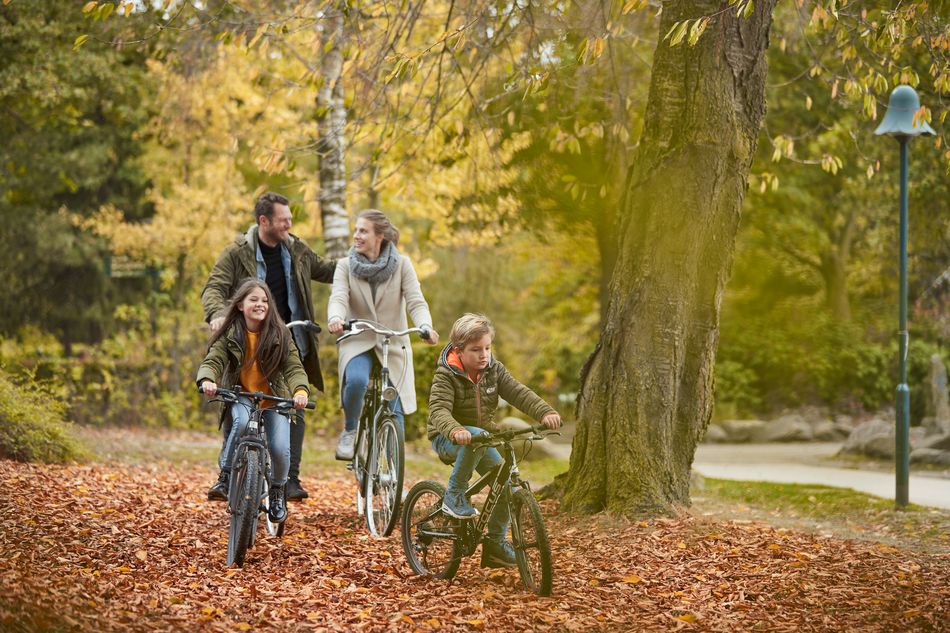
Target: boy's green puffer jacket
454, 400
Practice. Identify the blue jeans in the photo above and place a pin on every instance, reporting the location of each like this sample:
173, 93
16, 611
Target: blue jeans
467, 459
277, 428
355, 384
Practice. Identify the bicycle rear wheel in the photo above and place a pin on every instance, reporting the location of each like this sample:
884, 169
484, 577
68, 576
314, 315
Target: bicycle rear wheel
530, 540
384, 481
274, 529
244, 500
429, 536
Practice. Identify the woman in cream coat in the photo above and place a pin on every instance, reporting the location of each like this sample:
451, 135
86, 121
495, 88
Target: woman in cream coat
377, 283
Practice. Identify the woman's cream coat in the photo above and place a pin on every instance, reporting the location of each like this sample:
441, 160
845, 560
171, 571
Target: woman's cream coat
352, 298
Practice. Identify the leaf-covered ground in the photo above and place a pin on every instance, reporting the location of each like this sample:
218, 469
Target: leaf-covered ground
133, 548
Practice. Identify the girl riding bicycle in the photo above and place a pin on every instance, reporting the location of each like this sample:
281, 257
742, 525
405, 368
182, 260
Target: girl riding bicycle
253, 349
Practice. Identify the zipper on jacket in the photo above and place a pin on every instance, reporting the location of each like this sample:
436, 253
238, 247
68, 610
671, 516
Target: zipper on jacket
478, 401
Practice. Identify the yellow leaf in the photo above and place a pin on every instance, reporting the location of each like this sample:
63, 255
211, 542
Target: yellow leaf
87, 8
477, 622
433, 622
124, 570
681, 545
242, 626
408, 620
631, 580
687, 617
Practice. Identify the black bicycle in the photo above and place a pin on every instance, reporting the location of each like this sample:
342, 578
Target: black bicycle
435, 543
379, 448
250, 469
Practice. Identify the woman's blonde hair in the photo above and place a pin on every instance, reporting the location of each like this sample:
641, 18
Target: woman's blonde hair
469, 327
381, 225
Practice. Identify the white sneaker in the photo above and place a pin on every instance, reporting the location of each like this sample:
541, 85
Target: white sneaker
344, 446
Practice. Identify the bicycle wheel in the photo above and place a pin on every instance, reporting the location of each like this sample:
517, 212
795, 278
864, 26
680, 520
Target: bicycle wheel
530, 540
384, 483
360, 463
244, 498
429, 536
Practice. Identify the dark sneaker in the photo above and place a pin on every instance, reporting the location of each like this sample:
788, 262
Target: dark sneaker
495, 554
276, 506
219, 491
457, 505
344, 446
295, 491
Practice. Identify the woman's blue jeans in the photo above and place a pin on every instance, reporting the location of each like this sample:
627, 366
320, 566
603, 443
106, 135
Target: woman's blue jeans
467, 459
277, 428
355, 383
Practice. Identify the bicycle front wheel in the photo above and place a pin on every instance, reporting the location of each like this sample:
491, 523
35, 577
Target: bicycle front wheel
384, 481
429, 536
530, 541
244, 500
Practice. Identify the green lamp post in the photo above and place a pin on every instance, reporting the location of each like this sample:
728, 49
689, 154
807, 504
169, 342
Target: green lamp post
899, 123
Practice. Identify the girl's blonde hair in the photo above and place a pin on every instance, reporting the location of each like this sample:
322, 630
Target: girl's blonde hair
469, 327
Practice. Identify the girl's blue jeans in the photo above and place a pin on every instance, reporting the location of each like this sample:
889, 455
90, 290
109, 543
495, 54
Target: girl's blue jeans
277, 428
467, 459
355, 383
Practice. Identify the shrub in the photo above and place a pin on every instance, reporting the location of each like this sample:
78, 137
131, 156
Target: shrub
32, 423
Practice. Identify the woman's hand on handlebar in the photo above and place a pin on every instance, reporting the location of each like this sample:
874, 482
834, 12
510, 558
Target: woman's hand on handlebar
433, 338
335, 326
209, 388
552, 420
461, 436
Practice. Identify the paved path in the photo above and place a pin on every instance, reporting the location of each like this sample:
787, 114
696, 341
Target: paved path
799, 464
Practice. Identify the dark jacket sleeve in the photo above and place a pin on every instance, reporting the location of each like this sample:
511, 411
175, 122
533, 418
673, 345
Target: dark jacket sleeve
320, 269
521, 397
294, 372
217, 290
213, 366
441, 401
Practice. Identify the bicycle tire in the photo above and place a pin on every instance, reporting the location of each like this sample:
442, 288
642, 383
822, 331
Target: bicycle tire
384, 481
530, 540
429, 536
245, 504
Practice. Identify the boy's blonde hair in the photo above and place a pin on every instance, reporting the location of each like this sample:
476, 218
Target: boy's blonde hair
470, 327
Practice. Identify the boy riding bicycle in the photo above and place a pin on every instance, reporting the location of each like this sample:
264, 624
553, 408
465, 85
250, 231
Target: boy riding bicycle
462, 403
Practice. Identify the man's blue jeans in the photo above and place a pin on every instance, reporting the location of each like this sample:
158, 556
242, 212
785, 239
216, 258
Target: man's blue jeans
467, 459
277, 428
355, 384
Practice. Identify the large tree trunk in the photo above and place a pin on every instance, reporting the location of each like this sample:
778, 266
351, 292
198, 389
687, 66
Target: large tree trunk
834, 270
331, 113
647, 390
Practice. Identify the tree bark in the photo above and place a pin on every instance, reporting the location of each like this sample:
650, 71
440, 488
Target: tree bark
834, 270
647, 390
331, 113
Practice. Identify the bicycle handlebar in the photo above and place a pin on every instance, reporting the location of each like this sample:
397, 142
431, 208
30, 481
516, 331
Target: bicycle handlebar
506, 436
306, 324
231, 395
363, 325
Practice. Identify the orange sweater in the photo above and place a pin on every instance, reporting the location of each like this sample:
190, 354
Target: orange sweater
252, 378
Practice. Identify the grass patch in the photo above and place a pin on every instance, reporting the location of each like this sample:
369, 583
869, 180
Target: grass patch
810, 500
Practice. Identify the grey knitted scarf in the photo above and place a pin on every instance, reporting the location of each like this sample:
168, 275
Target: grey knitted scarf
376, 272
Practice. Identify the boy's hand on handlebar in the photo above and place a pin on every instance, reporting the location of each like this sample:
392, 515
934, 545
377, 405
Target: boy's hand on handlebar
209, 388
335, 326
300, 401
461, 436
552, 420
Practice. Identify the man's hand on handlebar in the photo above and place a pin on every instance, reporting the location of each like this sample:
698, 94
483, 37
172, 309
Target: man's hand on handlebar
209, 388
552, 420
461, 436
300, 401
215, 324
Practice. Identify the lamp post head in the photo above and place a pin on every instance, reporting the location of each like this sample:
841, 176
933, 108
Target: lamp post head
899, 119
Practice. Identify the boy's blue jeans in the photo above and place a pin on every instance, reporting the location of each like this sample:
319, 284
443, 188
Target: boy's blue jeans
277, 428
466, 460
355, 384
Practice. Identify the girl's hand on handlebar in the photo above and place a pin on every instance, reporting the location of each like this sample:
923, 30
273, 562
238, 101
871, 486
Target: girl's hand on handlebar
461, 436
335, 326
209, 388
552, 420
300, 401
